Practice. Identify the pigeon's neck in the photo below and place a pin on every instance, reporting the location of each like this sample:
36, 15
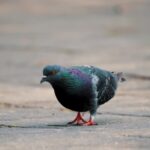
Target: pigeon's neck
71, 83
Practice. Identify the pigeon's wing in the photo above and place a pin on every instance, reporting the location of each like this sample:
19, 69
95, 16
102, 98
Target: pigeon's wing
106, 85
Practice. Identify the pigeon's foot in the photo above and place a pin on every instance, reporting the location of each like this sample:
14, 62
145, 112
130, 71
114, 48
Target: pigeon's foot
78, 120
90, 122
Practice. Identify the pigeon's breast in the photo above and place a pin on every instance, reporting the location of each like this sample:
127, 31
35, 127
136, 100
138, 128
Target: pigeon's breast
77, 101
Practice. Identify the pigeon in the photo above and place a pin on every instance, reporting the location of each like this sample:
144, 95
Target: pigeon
82, 88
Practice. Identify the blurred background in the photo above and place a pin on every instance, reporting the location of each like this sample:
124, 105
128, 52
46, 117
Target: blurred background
111, 34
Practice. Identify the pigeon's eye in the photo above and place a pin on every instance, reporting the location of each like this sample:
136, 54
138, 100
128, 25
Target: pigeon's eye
53, 72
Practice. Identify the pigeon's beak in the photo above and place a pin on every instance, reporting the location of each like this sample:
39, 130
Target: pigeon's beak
43, 80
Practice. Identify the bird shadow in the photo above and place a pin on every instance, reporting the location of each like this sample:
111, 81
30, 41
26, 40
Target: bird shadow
35, 126
48, 126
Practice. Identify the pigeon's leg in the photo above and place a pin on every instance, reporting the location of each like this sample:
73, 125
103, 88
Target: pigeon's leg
92, 115
78, 120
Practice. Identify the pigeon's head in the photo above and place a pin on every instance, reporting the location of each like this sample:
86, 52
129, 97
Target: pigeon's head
51, 73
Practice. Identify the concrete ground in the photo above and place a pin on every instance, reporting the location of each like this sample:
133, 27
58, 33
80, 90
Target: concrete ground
113, 35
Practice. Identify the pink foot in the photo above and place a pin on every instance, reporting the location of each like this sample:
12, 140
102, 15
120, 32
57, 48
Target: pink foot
78, 120
90, 122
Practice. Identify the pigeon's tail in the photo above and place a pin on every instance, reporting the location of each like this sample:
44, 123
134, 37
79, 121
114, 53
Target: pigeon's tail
120, 76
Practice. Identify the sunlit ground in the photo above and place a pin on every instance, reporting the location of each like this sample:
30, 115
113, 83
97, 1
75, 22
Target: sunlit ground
113, 35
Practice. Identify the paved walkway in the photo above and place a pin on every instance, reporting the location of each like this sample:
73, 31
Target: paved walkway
113, 35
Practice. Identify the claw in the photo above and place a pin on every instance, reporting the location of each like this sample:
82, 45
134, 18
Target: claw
90, 122
78, 120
